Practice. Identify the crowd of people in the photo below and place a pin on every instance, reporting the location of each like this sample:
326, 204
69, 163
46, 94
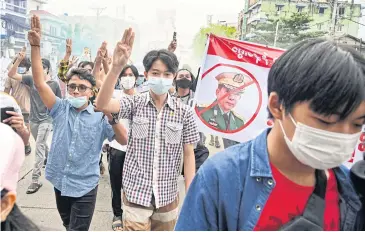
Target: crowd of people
289, 177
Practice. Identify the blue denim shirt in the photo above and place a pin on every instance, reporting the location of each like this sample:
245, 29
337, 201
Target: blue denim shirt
231, 189
73, 161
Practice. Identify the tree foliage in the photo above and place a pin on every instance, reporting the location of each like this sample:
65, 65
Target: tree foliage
291, 30
200, 38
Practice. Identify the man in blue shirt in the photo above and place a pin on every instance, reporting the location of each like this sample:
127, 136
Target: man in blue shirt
317, 101
78, 135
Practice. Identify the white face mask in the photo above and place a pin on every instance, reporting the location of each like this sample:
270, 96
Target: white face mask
127, 82
318, 148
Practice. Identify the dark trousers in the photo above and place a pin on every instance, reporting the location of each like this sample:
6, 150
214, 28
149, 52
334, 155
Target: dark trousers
116, 162
76, 212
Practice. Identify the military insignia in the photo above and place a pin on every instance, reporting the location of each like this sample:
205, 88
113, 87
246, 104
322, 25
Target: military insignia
213, 122
239, 78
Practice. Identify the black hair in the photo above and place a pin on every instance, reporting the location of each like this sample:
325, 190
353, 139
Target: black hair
83, 64
83, 74
167, 57
25, 63
191, 74
45, 62
329, 76
133, 68
16, 220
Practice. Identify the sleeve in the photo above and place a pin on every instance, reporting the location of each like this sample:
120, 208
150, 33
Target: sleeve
58, 108
108, 130
126, 106
7, 84
190, 129
199, 211
62, 71
58, 90
27, 80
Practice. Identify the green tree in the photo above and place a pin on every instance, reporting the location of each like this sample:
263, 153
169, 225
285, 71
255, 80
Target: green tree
291, 30
200, 38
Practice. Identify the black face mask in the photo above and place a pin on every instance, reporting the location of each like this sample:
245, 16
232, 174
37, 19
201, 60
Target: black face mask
183, 83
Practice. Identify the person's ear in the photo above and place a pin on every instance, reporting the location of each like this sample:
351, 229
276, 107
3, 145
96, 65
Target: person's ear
145, 75
275, 106
7, 204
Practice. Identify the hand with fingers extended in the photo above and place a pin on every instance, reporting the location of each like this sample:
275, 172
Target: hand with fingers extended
21, 54
34, 35
123, 49
68, 47
73, 62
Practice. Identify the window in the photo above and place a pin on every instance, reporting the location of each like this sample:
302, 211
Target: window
341, 11
53, 30
279, 8
300, 9
321, 10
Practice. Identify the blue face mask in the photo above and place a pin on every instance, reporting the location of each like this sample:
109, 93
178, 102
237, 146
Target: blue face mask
22, 70
159, 85
140, 80
77, 102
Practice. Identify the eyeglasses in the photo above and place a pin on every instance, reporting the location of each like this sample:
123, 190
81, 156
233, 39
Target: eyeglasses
81, 88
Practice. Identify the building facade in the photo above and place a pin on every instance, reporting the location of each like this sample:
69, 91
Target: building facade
13, 26
54, 34
262, 11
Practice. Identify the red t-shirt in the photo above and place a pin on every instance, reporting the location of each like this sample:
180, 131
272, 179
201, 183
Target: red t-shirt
288, 200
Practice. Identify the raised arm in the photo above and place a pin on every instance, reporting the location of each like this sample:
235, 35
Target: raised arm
34, 37
122, 52
99, 77
14, 68
64, 64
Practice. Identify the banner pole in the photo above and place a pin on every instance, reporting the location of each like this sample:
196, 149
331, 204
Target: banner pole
200, 72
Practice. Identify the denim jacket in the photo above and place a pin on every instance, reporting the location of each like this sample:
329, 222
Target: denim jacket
230, 190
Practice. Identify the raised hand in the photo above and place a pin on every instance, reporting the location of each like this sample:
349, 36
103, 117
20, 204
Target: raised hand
172, 46
103, 50
73, 61
123, 50
21, 54
68, 46
34, 35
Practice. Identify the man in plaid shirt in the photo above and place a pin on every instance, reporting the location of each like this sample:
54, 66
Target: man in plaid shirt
162, 129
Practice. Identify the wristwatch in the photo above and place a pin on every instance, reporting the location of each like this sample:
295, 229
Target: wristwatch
114, 121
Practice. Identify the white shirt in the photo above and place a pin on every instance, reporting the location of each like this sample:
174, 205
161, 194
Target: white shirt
118, 94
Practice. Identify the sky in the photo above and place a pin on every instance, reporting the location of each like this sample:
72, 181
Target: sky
190, 14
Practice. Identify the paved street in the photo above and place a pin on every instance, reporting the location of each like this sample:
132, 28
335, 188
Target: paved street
41, 206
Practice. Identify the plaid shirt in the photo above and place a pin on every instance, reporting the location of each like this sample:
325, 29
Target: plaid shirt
155, 146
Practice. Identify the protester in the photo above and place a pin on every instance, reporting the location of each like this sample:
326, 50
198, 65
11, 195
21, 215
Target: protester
40, 121
66, 66
317, 101
15, 118
12, 157
162, 129
184, 80
19, 90
116, 151
79, 133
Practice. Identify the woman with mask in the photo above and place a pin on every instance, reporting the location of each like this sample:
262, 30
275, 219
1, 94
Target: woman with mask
12, 157
117, 152
184, 81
